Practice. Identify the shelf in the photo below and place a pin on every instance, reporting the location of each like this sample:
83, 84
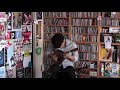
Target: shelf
89, 60
87, 52
107, 77
57, 25
108, 61
110, 18
84, 17
56, 17
86, 42
111, 44
85, 34
55, 32
84, 25
110, 26
91, 68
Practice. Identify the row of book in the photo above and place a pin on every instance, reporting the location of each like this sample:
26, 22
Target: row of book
84, 14
84, 22
55, 14
83, 38
109, 22
56, 21
88, 56
93, 48
84, 30
63, 29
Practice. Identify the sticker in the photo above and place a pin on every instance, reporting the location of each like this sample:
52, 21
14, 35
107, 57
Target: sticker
17, 20
2, 72
2, 57
38, 50
18, 34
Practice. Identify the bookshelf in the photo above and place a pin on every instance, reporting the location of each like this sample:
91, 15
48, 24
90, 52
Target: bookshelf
85, 29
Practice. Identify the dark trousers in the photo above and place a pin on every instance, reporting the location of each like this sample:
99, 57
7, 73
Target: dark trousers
69, 72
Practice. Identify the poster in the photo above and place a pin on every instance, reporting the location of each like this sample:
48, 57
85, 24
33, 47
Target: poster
18, 35
2, 44
26, 33
27, 18
2, 57
11, 73
27, 47
2, 72
8, 35
20, 73
108, 41
38, 15
112, 70
17, 20
27, 72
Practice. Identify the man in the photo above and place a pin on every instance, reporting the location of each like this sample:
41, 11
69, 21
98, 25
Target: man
66, 45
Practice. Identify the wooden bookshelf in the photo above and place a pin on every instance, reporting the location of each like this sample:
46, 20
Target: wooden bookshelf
75, 29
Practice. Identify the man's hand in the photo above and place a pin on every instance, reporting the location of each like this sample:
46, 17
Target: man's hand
68, 56
53, 57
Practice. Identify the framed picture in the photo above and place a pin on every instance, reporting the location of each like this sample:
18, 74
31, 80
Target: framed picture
2, 57
27, 18
9, 20
38, 15
2, 72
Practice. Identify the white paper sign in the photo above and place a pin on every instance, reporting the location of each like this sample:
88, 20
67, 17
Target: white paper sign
108, 41
2, 72
26, 61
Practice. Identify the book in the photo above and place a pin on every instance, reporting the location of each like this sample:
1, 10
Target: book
2, 57
2, 72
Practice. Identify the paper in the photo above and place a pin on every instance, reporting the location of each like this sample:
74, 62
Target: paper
114, 30
20, 73
27, 72
113, 12
2, 72
36, 21
10, 57
2, 57
38, 50
108, 41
